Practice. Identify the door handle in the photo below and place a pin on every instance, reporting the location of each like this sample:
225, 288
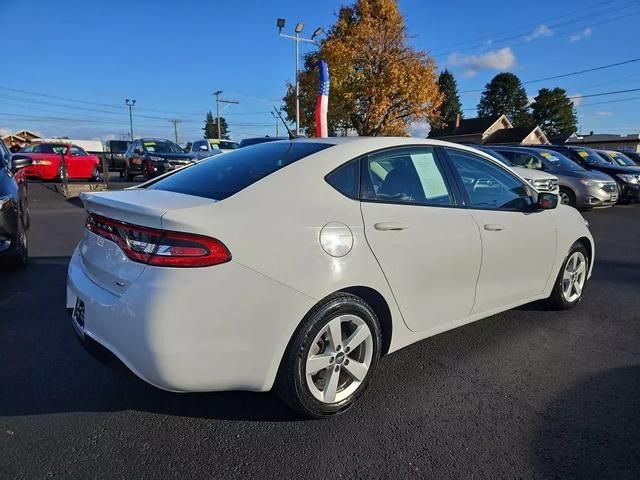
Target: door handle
390, 226
492, 227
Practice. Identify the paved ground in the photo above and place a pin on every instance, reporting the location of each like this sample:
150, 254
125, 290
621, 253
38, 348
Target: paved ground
528, 393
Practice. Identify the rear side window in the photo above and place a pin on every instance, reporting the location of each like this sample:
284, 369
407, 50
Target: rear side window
346, 179
224, 175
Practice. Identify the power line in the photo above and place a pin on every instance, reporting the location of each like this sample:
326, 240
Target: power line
602, 94
524, 27
499, 41
564, 75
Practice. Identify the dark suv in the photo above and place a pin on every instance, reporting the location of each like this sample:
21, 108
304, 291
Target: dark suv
627, 178
14, 212
151, 157
114, 153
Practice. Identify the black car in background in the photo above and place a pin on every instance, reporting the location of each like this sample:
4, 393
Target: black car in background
627, 178
246, 142
151, 157
14, 211
114, 152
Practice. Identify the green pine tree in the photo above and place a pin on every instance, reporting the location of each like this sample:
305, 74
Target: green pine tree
553, 110
451, 106
504, 94
210, 129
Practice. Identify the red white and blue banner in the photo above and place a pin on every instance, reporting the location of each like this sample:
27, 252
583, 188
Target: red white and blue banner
322, 100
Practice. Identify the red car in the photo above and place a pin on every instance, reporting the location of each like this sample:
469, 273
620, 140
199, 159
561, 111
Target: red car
48, 162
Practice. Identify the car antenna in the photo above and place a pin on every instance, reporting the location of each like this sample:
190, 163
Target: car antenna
291, 134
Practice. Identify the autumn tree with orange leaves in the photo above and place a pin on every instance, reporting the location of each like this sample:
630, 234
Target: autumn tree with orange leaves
379, 84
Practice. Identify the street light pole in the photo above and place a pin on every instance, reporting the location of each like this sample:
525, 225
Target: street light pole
130, 104
297, 83
298, 30
218, 102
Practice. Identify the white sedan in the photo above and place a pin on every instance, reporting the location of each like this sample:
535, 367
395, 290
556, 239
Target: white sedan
298, 264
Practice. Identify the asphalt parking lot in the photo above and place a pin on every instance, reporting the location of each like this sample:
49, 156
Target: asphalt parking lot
528, 393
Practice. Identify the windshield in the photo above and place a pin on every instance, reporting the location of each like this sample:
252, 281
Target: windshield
161, 146
591, 157
621, 159
558, 162
498, 156
221, 176
50, 148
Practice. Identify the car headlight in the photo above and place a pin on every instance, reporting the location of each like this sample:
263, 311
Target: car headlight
626, 177
4, 201
589, 183
528, 180
153, 158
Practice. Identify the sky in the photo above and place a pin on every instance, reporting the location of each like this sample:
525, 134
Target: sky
69, 65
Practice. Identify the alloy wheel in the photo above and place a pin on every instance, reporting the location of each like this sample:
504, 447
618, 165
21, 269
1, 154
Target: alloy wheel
564, 198
339, 358
574, 277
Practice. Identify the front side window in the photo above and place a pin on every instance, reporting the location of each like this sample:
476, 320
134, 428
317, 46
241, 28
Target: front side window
526, 160
410, 175
488, 186
196, 146
221, 176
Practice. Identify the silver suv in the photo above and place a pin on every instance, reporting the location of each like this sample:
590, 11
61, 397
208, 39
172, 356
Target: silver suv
580, 188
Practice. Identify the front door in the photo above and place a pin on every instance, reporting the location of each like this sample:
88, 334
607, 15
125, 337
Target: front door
428, 248
518, 244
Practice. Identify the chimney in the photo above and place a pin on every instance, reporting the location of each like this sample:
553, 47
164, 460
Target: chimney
457, 121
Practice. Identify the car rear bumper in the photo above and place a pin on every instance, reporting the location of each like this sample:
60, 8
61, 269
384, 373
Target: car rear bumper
186, 330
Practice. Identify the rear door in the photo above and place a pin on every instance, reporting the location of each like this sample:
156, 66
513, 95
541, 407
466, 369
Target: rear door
428, 247
518, 244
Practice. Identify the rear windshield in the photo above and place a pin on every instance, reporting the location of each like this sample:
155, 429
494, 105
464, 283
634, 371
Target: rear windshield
50, 148
118, 146
221, 176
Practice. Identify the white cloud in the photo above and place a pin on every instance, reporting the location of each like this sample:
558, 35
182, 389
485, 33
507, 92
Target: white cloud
541, 31
576, 99
501, 59
419, 129
604, 114
586, 33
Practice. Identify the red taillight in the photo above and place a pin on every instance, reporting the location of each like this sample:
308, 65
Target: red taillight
160, 247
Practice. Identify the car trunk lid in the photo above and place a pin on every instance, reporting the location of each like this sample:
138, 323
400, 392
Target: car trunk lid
104, 262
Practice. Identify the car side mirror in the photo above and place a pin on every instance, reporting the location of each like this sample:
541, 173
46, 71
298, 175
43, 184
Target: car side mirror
546, 201
20, 161
203, 148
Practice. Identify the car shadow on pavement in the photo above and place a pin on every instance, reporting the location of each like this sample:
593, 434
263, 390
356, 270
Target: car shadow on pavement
50, 371
593, 429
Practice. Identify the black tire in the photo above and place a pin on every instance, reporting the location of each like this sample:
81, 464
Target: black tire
557, 300
569, 195
121, 173
129, 176
21, 258
95, 175
291, 384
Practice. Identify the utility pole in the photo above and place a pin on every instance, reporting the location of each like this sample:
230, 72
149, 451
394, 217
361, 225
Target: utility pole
298, 30
218, 102
277, 126
130, 104
175, 122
